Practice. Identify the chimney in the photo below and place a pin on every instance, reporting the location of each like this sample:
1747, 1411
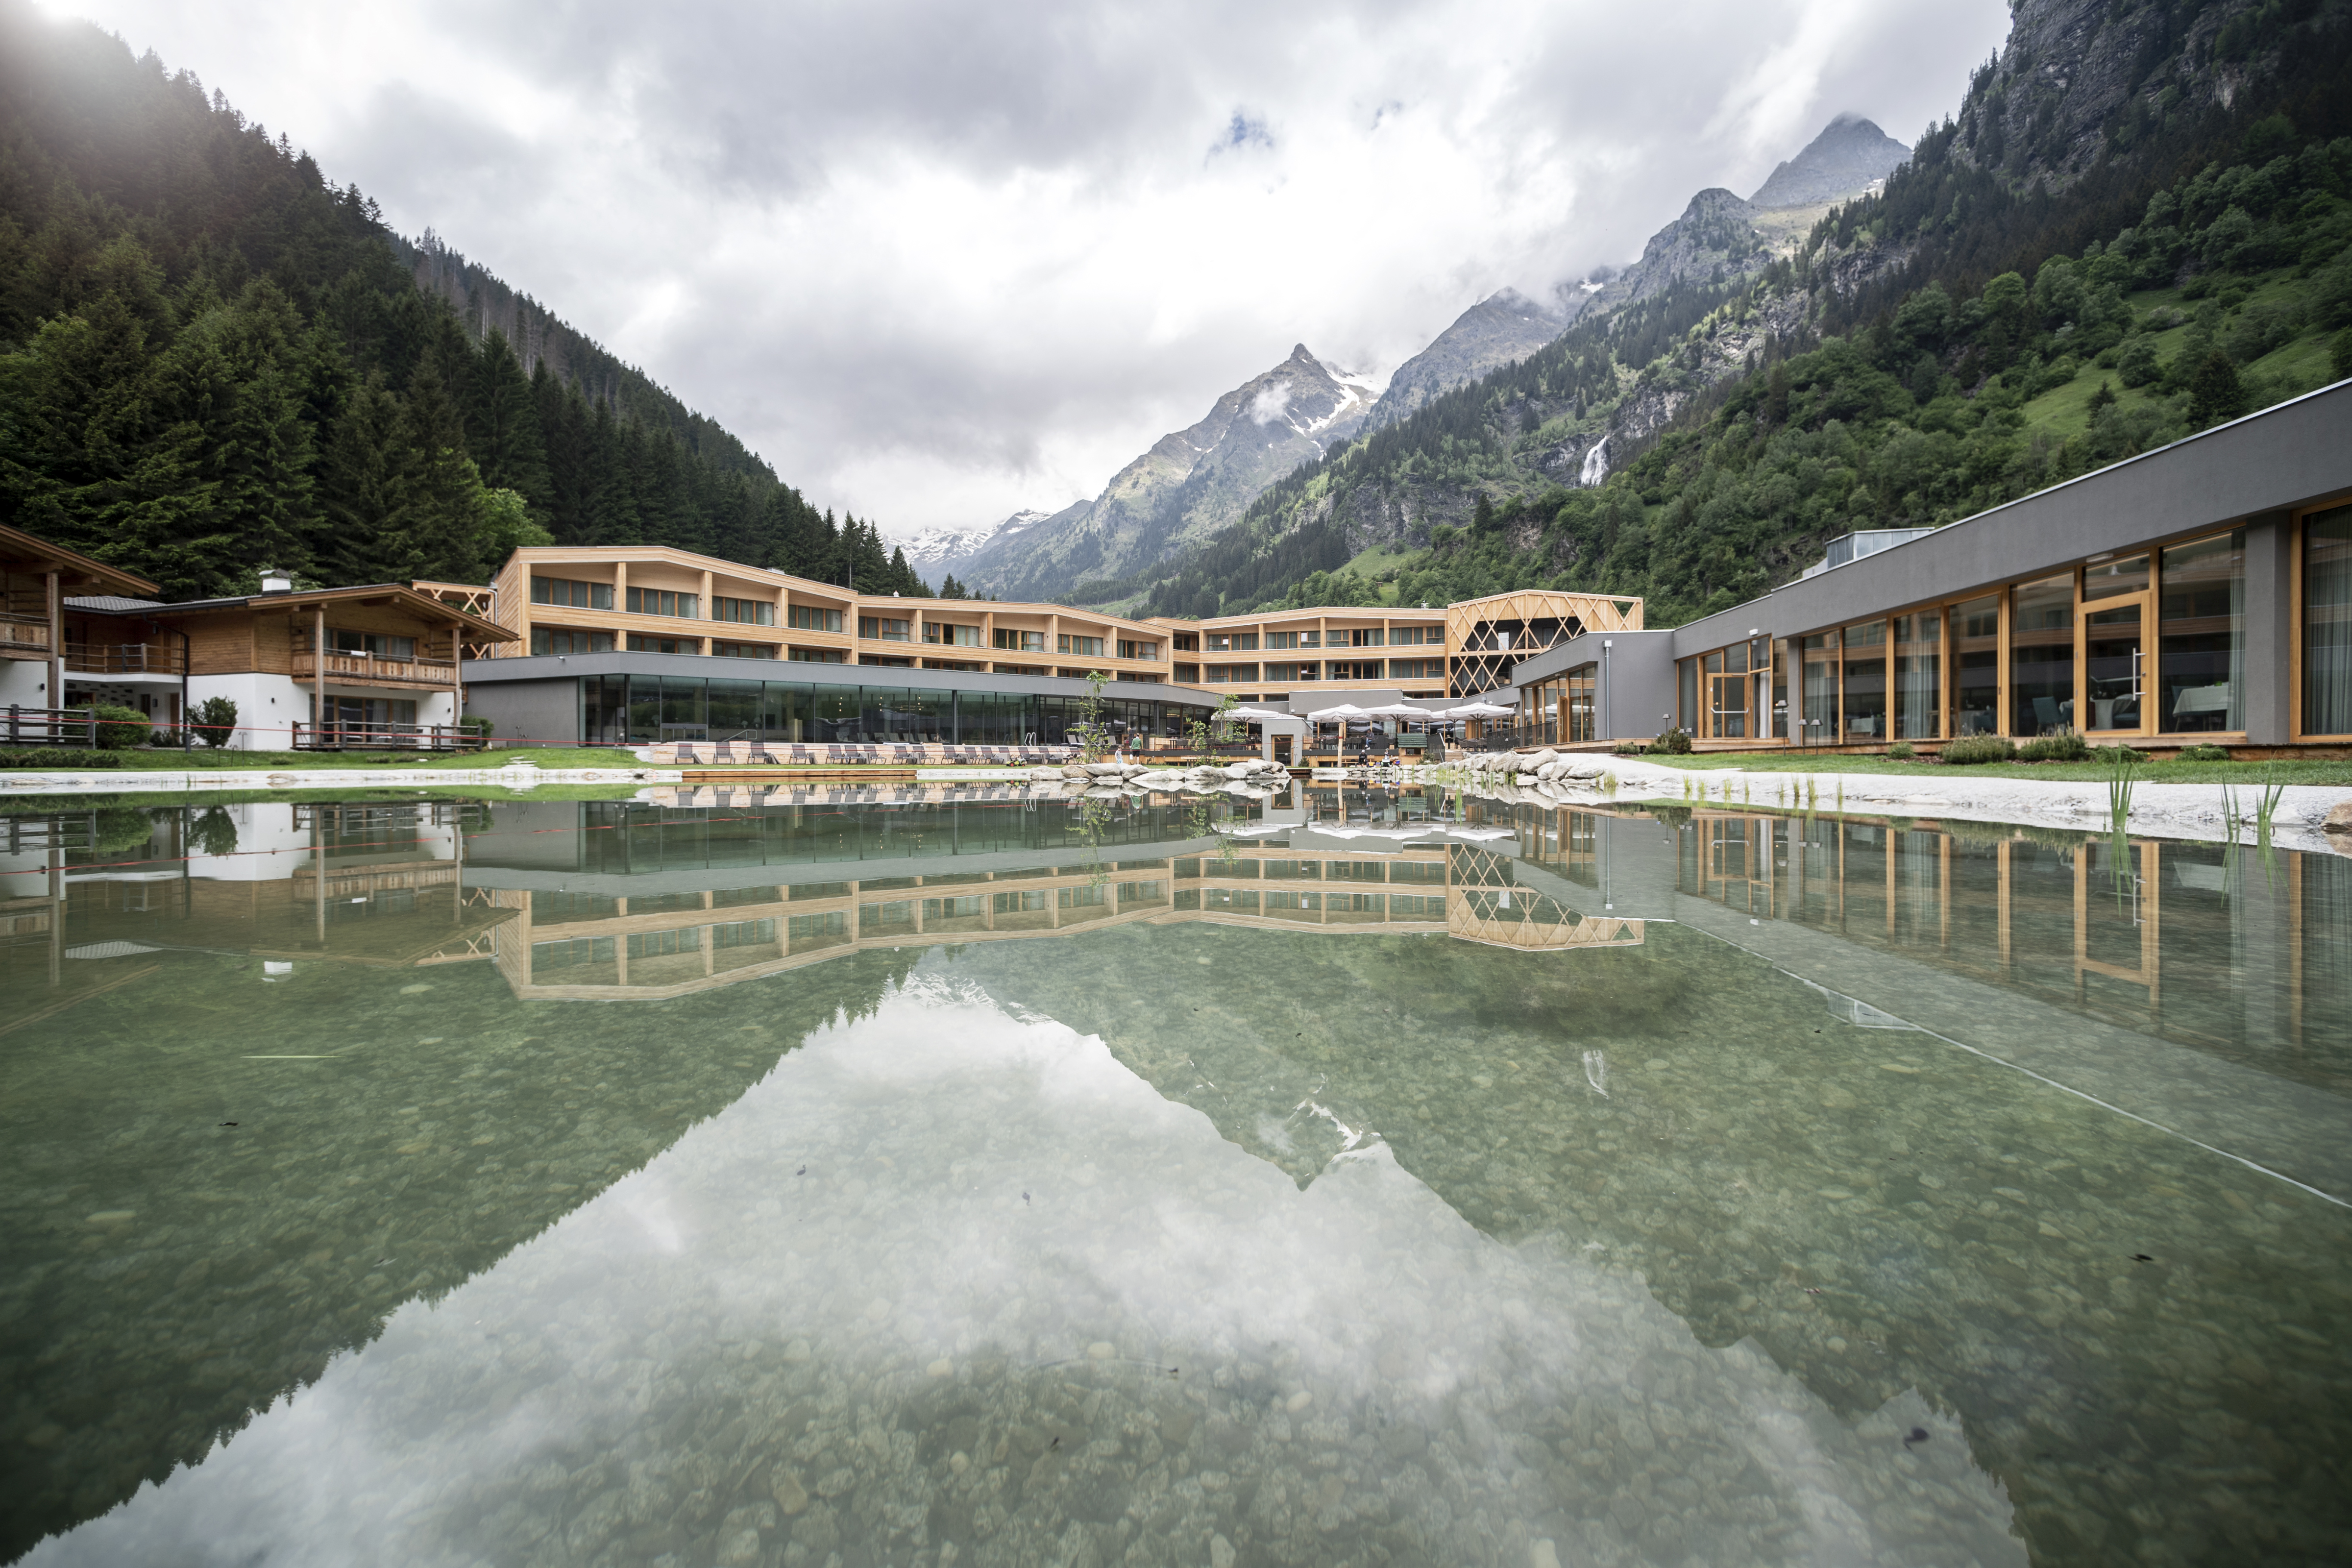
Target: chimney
274, 583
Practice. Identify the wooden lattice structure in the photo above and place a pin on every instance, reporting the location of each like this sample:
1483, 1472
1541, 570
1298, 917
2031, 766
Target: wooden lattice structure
1486, 638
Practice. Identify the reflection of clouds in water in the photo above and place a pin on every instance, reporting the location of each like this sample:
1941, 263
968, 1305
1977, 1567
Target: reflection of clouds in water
995, 1213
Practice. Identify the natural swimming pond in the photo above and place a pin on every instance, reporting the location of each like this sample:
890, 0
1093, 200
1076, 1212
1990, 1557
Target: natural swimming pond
1353, 1178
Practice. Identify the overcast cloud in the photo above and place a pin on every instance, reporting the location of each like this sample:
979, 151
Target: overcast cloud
936, 262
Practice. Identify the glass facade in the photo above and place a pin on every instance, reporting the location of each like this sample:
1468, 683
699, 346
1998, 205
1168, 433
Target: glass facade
2327, 623
1976, 667
2042, 657
1821, 653
1865, 683
2202, 636
1918, 676
644, 709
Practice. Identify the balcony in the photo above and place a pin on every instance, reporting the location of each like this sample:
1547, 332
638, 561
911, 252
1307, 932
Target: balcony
367, 669
125, 659
24, 636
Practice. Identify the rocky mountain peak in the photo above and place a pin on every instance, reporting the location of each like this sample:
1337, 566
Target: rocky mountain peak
1850, 152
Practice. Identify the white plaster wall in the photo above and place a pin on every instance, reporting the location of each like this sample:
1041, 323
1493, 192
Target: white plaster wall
268, 845
25, 682
267, 707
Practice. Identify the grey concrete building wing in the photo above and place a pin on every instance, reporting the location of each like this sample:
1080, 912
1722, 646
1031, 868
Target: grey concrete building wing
2200, 591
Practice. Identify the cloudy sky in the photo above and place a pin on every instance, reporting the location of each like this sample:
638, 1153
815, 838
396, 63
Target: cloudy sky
939, 262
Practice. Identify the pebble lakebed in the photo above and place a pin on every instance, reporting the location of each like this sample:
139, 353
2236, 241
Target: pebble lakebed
1157, 1244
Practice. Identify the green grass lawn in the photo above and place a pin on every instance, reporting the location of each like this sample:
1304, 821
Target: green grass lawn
2312, 771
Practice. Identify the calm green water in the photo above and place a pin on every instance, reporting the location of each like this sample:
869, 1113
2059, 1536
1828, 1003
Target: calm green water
1350, 1178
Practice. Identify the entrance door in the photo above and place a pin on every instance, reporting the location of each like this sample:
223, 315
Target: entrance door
1727, 707
1282, 750
2116, 665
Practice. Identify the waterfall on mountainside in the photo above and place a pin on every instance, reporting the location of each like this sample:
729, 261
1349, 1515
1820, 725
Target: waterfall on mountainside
1596, 465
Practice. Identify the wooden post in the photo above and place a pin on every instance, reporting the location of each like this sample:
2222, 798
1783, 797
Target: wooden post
456, 682
57, 654
319, 682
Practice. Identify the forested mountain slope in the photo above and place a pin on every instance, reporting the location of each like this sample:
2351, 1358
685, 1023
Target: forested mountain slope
2136, 224
213, 360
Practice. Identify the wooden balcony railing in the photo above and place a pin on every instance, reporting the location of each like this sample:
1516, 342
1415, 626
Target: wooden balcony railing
366, 669
23, 637
125, 658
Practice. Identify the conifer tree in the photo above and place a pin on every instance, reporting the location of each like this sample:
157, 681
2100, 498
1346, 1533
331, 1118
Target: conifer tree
502, 429
442, 524
365, 478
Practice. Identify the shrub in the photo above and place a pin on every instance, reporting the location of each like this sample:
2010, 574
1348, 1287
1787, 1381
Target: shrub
2065, 746
58, 757
1632, 748
1673, 742
119, 729
2117, 756
214, 721
120, 829
1970, 750
214, 832
1902, 750
2204, 753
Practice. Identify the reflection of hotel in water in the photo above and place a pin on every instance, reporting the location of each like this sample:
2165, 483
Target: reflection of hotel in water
641, 901
2069, 916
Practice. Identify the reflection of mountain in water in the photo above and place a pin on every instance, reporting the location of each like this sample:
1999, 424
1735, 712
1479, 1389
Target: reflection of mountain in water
951, 1277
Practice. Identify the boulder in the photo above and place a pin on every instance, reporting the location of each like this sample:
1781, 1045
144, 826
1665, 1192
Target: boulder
1103, 769
2339, 818
1543, 759
1076, 771
1241, 770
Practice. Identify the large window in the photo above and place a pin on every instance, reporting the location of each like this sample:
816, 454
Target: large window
1581, 724
1415, 636
1228, 674
664, 645
1020, 641
546, 639
2327, 623
1309, 670
1864, 694
2202, 636
886, 628
1084, 647
810, 618
948, 635
662, 602
742, 650
1232, 642
375, 645
1416, 669
1976, 667
1361, 636
1356, 670
1686, 684
2042, 657
1918, 676
1147, 652
579, 596
1819, 660
749, 612
816, 655
1313, 638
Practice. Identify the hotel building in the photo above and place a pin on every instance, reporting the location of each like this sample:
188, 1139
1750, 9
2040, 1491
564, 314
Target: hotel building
2198, 593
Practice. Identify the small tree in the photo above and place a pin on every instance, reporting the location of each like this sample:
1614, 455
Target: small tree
1093, 737
1201, 734
214, 721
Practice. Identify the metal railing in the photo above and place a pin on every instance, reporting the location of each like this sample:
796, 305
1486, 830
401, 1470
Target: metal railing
386, 738
50, 726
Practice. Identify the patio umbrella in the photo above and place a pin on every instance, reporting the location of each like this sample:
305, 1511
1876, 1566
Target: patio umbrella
1256, 715
1479, 710
1345, 710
